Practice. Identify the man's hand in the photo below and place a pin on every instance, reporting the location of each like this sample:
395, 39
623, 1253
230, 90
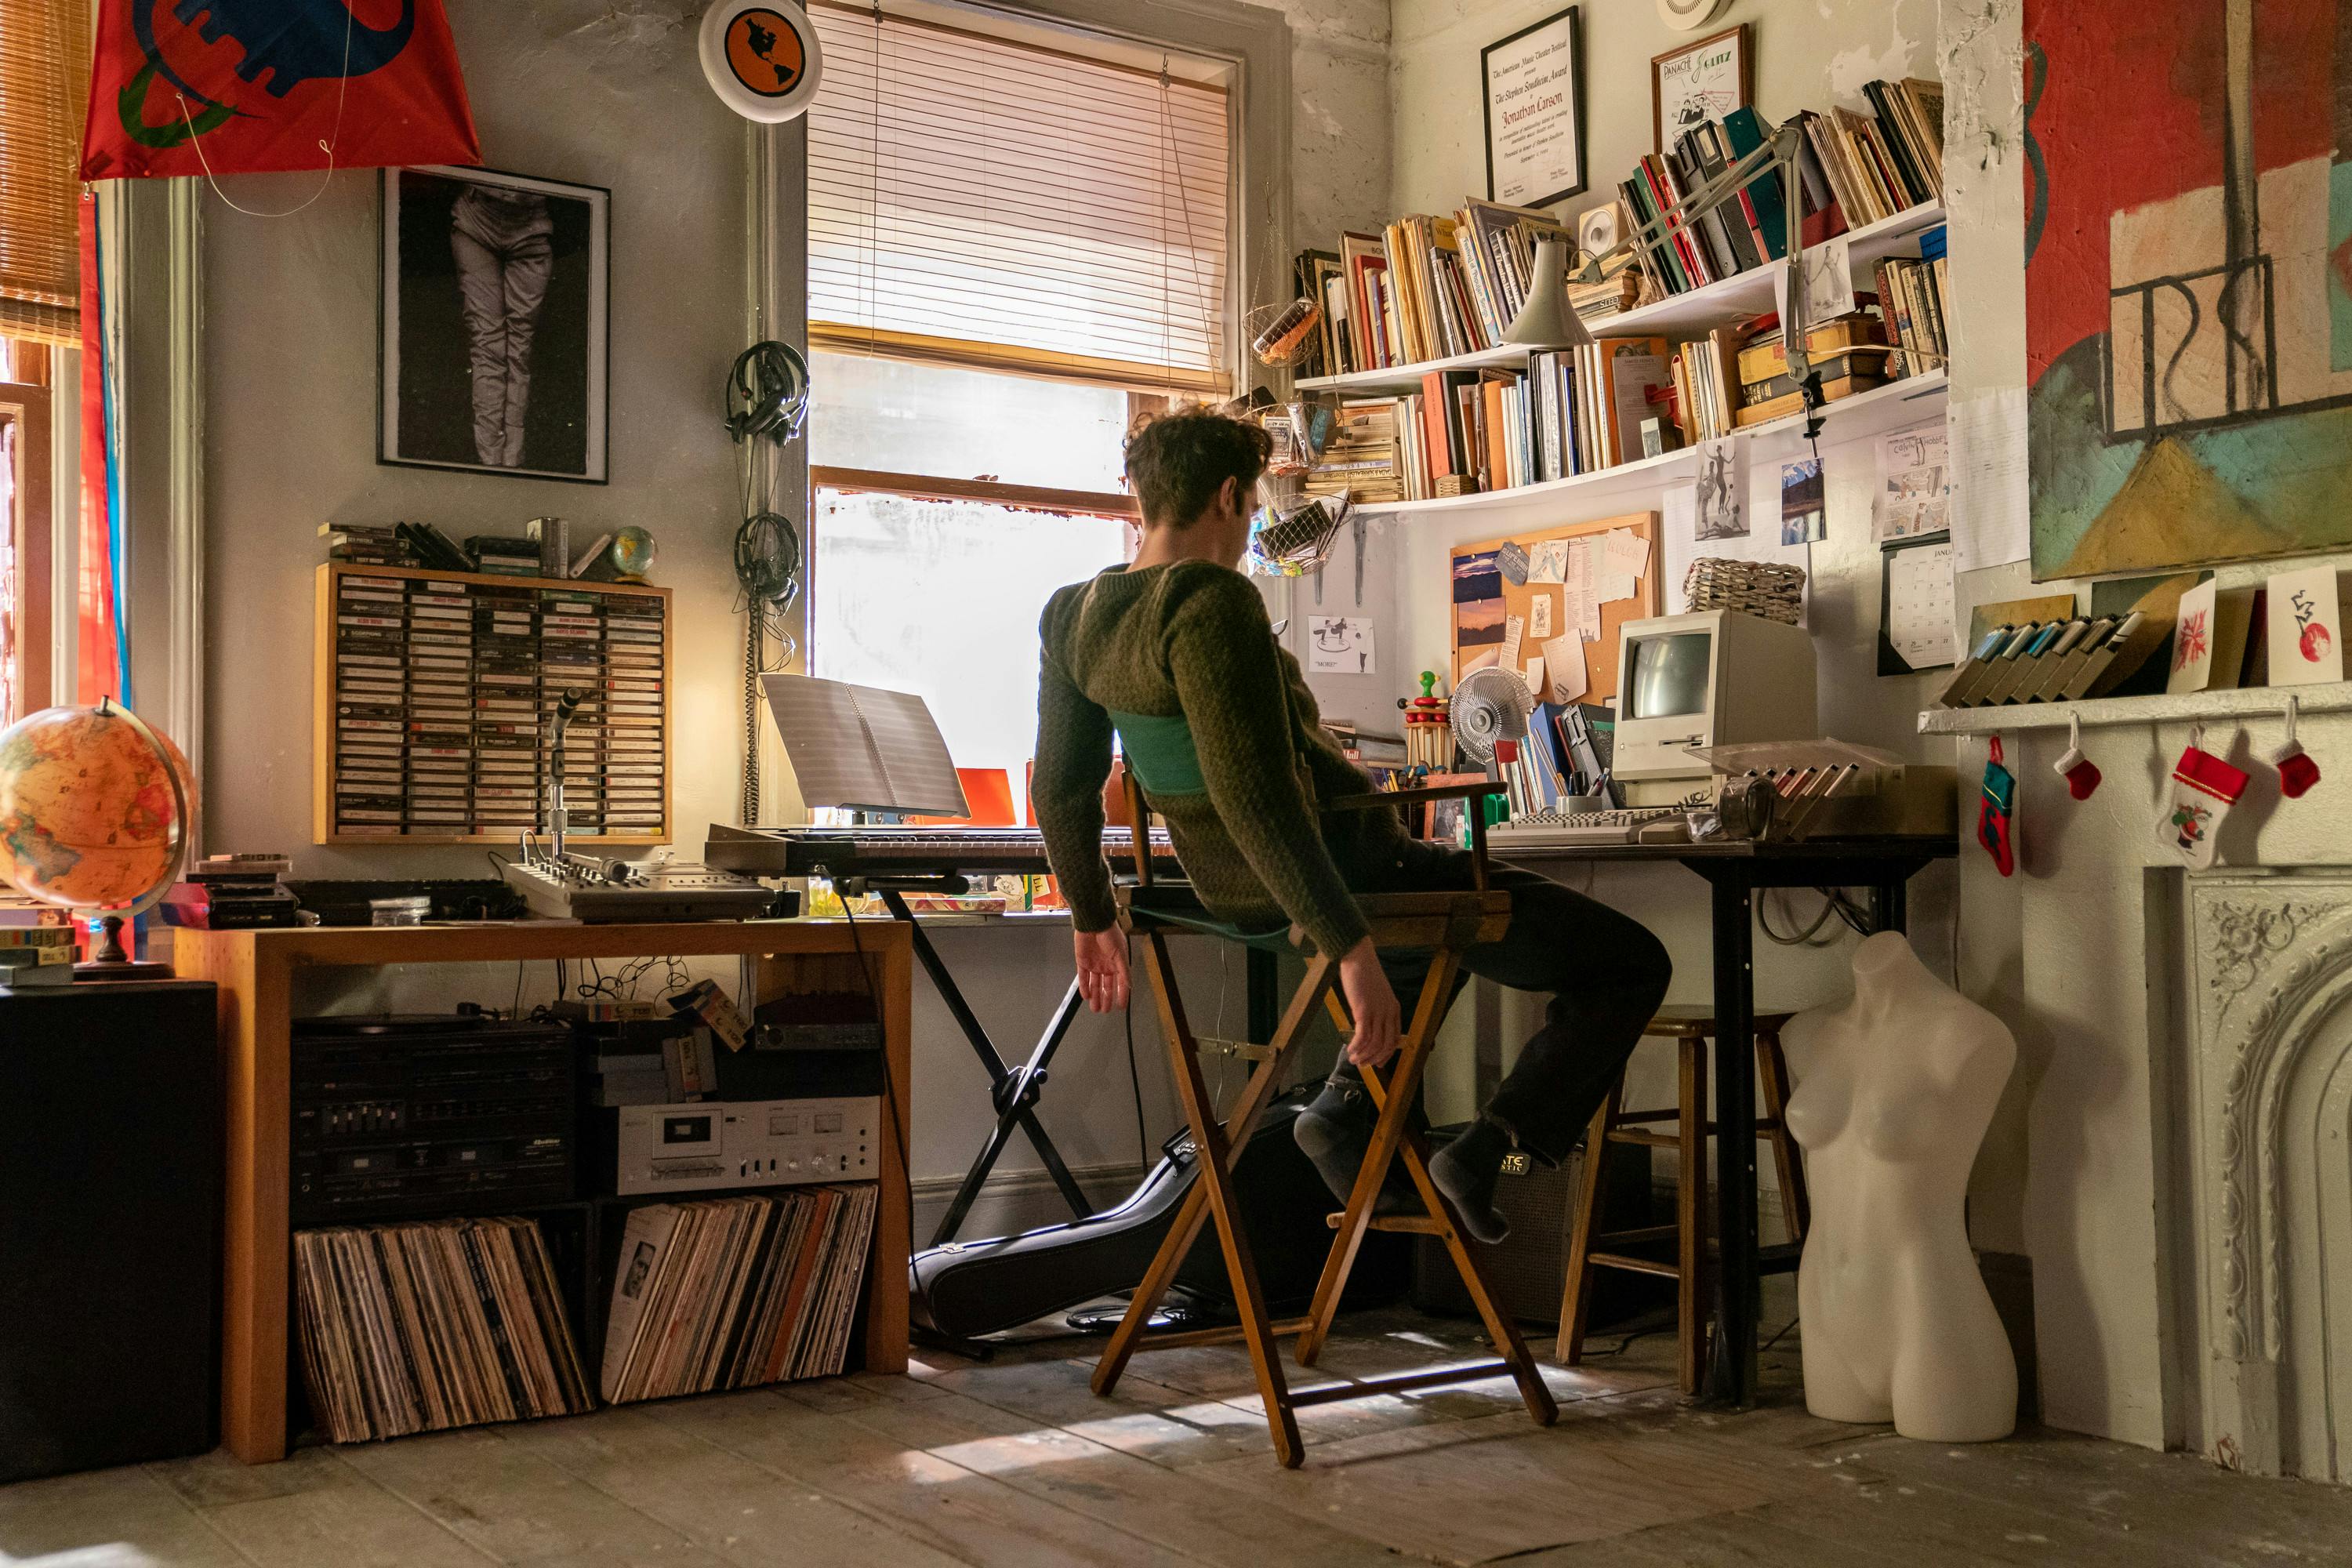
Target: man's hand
1102, 969
1371, 1003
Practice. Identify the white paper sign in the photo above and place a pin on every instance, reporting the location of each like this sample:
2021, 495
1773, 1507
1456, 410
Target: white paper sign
1547, 561
1563, 658
1536, 677
1340, 645
1992, 513
1534, 155
1914, 483
1514, 629
1622, 550
1539, 618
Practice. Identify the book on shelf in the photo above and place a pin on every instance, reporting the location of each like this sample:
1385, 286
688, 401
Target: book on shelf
733, 1293
1911, 301
439, 1323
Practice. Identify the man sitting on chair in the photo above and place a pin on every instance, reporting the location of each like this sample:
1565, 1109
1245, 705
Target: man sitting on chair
1176, 652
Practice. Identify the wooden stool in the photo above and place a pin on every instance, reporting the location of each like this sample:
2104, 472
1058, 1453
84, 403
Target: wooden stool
1444, 924
1690, 1028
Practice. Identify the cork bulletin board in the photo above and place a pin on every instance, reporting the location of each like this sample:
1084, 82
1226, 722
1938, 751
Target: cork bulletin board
1591, 576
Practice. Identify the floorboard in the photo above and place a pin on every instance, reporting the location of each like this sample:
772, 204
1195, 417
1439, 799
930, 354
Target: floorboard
1013, 1463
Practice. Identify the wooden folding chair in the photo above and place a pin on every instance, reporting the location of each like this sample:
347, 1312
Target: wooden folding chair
1443, 923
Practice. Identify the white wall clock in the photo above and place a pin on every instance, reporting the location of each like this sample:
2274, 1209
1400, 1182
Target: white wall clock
1683, 15
762, 58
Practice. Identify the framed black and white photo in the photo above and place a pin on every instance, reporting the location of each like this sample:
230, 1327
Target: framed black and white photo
1702, 80
1533, 85
496, 310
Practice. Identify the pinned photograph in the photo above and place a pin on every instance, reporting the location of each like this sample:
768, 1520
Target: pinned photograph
1805, 510
1722, 491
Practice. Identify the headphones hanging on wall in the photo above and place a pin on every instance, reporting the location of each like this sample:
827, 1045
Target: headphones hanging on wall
767, 393
762, 58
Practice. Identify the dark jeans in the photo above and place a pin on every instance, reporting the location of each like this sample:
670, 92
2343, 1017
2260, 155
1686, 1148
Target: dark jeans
1606, 974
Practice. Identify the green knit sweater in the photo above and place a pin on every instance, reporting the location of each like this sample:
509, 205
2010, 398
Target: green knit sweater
1192, 639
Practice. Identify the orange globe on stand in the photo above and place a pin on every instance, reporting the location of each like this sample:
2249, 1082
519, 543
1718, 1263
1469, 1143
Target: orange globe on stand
96, 809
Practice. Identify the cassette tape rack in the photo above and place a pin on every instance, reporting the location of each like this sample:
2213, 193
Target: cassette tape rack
435, 701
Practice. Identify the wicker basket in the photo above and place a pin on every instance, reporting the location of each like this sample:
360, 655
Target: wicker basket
1762, 588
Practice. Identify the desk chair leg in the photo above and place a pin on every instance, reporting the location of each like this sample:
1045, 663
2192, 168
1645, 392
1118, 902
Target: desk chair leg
1129, 1334
1772, 1068
1395, 1099
1215, 1178
1576, 1300
1691, 1217
1387, 1133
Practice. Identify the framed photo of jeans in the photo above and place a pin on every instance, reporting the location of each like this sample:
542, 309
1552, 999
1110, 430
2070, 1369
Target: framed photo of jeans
496, 315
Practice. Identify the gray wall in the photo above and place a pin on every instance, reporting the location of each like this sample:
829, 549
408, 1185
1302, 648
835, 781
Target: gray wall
610, 95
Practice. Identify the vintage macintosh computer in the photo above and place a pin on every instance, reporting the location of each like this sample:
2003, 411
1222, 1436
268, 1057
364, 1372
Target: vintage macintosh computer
1712, 677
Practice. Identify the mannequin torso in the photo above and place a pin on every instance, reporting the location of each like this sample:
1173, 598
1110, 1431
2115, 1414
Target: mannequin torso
1895, 1089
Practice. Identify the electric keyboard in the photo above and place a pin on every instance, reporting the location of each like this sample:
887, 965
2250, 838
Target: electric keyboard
1628, 825
932, 851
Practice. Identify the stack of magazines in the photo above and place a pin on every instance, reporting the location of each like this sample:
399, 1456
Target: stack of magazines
731, 1292
412, 1328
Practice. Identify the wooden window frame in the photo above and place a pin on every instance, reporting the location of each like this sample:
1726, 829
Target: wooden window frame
929, 487
29, 405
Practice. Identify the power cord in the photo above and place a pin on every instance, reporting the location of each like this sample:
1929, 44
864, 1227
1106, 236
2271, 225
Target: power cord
767, 397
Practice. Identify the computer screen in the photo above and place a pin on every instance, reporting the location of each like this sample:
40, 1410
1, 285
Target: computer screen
1669, 676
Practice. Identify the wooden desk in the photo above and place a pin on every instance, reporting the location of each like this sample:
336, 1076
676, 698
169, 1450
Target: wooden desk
1737, 869
254, 971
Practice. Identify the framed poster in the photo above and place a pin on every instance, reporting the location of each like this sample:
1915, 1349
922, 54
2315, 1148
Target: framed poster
1534, 83
495, 318
1702, 80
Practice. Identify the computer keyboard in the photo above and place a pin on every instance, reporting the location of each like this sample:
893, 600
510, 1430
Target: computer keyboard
1544, 829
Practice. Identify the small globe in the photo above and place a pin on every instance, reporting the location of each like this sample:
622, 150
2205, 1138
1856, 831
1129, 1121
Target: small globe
87, 808
633, 552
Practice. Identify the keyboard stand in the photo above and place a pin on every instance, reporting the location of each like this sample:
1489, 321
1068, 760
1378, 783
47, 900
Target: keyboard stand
1013, 1091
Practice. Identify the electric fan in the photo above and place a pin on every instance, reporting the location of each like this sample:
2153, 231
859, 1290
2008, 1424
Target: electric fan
1490, 708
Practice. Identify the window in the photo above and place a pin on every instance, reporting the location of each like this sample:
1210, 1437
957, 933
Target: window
44, 83
1013, 251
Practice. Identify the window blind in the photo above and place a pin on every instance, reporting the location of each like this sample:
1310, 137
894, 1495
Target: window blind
44, 84
982, 201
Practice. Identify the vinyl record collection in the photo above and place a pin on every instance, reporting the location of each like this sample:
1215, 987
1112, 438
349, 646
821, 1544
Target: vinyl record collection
413, 1328
444, 690
731, 1293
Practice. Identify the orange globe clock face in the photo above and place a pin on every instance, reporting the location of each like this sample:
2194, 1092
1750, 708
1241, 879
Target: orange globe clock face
762, 58
763, 51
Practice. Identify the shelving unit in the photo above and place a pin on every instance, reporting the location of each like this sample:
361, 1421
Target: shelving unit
1882, 408
2244, 702
1677, 316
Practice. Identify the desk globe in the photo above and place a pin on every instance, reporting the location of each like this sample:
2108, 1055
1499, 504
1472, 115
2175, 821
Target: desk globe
95, 808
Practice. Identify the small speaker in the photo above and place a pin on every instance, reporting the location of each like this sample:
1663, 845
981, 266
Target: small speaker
1529, 1269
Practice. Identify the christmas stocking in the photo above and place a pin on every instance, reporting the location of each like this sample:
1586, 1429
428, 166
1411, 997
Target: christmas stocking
2204, 789
2296, 771
2081, 773
1996, 826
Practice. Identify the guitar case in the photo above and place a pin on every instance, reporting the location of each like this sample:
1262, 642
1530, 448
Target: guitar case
967, 1288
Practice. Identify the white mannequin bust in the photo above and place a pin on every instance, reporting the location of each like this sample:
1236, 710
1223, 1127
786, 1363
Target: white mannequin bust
1895, 1089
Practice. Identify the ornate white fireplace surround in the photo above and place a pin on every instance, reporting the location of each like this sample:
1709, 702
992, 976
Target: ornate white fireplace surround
2269, 1088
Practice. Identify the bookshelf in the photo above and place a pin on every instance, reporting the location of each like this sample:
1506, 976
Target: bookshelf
1407, 378
1749, 293
1677, 316
255, 972
1880, 409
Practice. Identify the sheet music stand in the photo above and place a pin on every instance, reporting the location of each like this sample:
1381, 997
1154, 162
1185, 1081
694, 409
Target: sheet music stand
869, 750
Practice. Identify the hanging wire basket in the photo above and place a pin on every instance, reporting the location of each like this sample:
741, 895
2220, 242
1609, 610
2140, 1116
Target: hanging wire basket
1280, 335
1297, 540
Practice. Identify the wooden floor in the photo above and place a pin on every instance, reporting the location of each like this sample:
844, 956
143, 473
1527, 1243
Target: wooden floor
1015, 1463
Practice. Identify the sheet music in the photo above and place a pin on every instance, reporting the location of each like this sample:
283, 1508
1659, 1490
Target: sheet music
864, 747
